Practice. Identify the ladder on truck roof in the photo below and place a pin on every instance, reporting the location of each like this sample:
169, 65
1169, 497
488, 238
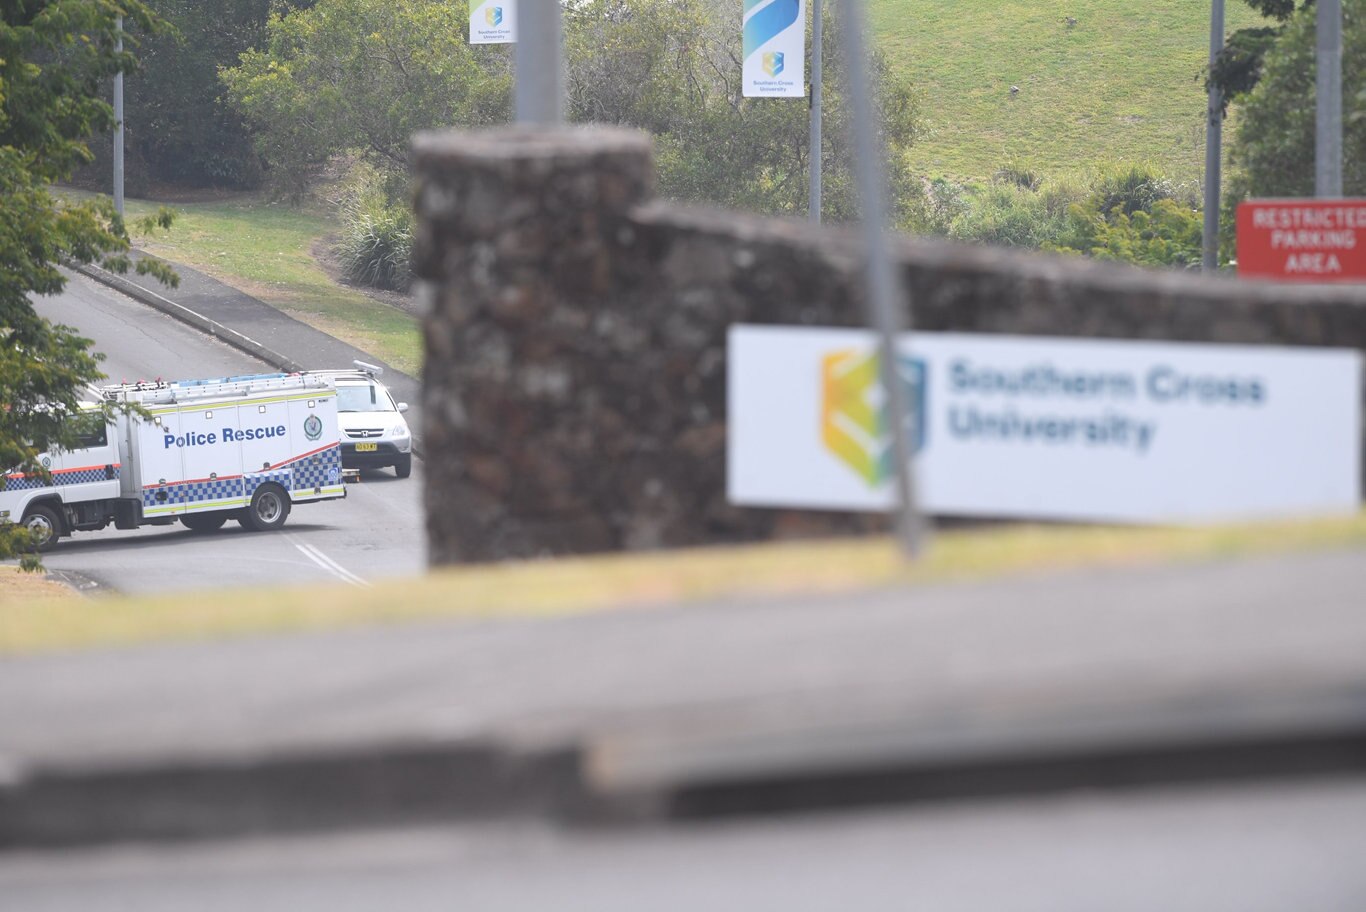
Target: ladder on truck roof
163, 392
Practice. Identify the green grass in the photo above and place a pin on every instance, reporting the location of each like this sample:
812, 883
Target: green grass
1124, 83
264, 250
575, 585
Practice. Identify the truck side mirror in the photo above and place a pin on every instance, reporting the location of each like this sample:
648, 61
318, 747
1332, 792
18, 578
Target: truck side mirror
403, 407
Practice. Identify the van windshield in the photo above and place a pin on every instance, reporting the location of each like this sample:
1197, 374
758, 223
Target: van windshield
363, 398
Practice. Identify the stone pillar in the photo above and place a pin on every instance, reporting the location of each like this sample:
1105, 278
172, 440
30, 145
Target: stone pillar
520, 233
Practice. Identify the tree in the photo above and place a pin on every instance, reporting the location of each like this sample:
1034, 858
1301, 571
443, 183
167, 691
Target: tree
672, 67
180, 128
1272, 151
361, 77
54, 55
1239, 65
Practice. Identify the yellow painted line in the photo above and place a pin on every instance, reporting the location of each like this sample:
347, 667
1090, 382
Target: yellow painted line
199, 506
307, 493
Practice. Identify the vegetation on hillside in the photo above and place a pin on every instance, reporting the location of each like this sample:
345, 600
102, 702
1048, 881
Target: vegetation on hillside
1126, 213
1098, 81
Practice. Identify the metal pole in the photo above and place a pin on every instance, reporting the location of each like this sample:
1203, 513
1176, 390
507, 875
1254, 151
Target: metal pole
1328, 135
885, 292
814, 198
118, 125
540, 70
1214, 128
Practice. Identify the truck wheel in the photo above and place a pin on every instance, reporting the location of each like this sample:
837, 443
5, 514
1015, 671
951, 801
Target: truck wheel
204, 522
44, 525
268, 510
404, 467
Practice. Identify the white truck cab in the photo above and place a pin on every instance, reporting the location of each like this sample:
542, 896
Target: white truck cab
245, 448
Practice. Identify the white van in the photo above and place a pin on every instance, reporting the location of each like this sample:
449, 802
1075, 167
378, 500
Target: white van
374, 433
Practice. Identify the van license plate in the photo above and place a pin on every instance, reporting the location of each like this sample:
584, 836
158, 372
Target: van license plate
366, 447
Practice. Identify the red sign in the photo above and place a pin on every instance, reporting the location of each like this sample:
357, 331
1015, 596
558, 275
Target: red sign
1303, 240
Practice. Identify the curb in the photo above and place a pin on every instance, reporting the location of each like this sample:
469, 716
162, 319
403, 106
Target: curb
180, 312
489, 779
378, 786
77, 582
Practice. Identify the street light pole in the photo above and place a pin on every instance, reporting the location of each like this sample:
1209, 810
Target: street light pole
814, 197
539, 94
118, 125
1214, 127
886, 293
1328, 120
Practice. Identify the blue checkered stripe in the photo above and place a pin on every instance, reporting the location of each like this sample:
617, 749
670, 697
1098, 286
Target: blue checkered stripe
217, 489
302, 475
279, 476
193, 492
60, 479
320, 470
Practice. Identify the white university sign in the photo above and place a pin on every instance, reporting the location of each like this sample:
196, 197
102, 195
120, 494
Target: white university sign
493, 21
774, 48
1047, 428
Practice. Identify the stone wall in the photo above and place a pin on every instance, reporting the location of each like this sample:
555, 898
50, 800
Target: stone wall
575, 381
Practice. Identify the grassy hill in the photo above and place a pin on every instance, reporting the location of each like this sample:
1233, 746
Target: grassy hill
1124, 82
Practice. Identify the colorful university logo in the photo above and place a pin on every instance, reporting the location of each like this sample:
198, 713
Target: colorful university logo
854, 416
763, 23
493, 15
773, 63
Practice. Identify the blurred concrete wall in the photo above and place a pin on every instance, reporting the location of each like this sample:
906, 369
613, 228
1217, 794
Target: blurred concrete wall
575, 383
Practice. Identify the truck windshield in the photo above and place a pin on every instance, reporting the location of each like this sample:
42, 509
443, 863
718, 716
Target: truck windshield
367, 398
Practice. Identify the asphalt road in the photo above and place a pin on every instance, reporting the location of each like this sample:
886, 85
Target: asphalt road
1248, 849
375, 533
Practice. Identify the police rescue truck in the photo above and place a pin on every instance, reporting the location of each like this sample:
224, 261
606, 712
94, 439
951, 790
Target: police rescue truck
243, 448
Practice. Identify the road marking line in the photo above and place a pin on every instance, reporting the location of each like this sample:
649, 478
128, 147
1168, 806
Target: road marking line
327, 563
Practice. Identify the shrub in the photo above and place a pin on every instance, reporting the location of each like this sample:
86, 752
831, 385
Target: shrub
1125, 212
1007, 216
377, 240
1013, 172
1131, 188
1167, 234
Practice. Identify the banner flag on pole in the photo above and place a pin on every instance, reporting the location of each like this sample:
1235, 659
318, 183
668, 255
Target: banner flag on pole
493, 21
775, 48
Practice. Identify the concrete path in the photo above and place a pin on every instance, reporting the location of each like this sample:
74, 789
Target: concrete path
1222, 670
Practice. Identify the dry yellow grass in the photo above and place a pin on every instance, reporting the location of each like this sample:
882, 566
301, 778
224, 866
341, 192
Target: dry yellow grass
574, 585
29, 588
